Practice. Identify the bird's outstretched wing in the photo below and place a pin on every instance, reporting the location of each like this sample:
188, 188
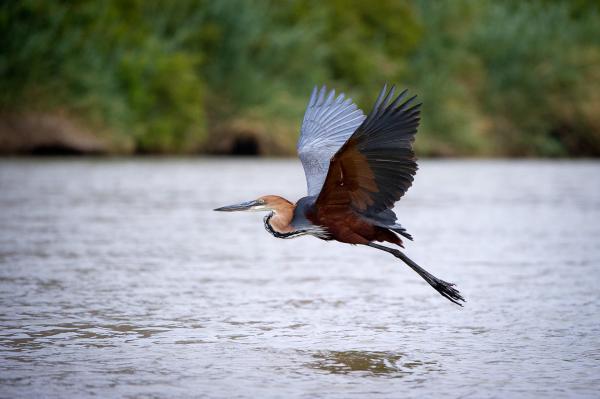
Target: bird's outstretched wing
375, 167
328, 122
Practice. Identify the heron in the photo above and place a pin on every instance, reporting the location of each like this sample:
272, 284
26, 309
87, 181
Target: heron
357, 167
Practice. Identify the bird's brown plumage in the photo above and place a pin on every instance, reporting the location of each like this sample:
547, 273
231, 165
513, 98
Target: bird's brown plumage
369, 173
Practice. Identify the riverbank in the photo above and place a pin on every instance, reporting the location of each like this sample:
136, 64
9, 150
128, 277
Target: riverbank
59, 134
495, 78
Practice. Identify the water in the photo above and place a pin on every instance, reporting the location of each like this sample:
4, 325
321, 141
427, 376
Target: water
117, 280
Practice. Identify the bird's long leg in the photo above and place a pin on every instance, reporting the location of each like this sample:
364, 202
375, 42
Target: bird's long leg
445, 289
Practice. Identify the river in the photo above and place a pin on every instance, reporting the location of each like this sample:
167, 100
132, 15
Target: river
118, 280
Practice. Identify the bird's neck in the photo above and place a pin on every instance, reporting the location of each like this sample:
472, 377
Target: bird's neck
280, 219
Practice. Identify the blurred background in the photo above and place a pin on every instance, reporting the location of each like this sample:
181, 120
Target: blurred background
500, 79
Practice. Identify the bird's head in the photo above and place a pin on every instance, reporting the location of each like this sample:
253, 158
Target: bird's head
272, 203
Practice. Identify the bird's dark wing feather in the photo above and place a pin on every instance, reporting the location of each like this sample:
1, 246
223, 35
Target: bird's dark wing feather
328, 122
375, 167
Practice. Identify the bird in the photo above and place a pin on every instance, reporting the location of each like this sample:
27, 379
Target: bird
357, 167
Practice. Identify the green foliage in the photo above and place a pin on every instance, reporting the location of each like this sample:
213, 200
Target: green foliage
445, 74
542, 73
510, 78
115, 62
496, 78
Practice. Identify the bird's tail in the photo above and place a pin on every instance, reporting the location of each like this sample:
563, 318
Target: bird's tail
445, 289
401, 230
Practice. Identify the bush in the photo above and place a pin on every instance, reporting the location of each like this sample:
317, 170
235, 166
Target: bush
542, 65
496, 78
114, 62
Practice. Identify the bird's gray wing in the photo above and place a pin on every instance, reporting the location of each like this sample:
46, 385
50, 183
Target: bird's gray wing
328, 122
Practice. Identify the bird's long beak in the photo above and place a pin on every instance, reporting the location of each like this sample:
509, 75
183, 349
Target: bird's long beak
244, 206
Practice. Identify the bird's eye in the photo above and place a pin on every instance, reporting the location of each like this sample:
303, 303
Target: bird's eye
261, 201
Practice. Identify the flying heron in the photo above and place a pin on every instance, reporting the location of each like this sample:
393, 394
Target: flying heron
356, 169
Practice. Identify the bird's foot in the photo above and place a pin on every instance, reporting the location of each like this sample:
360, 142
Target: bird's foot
447, 290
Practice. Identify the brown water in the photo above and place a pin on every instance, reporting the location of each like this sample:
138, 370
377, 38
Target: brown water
117, 280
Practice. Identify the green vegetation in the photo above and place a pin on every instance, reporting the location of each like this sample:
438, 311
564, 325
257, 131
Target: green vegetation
516, 78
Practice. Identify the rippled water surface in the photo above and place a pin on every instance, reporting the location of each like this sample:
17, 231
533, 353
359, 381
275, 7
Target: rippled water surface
117, 280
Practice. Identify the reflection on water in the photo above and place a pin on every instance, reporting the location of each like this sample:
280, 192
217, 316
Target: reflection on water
117, 280
367, 363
